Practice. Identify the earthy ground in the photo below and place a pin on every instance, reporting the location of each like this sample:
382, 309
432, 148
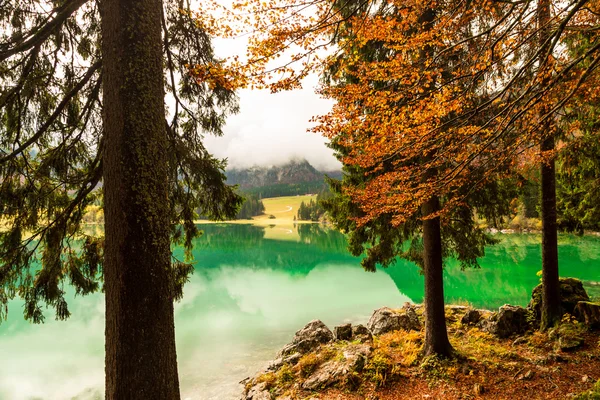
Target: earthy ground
526, 367
523, 371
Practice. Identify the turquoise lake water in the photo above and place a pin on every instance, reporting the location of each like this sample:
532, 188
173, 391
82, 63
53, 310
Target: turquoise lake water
253, 287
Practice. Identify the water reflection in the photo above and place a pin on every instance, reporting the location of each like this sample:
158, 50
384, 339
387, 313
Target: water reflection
252, 288
57, 360
508, 271
246, 298
234, 318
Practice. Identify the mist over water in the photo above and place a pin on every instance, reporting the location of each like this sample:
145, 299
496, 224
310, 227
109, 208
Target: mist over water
250, 292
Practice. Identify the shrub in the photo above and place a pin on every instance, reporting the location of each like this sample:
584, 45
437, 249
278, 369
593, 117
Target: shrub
379, 367
284, 376
269, 379
308, 364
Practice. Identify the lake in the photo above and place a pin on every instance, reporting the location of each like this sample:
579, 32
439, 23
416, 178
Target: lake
253, 287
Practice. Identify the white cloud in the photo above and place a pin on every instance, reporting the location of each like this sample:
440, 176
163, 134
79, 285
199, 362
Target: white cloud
272, 129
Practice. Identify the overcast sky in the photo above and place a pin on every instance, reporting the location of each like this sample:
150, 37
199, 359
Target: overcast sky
272, 128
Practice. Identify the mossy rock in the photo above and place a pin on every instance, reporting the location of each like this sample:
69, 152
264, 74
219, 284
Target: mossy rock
588, 313
508, 321
569, 335
569, 343
571, 293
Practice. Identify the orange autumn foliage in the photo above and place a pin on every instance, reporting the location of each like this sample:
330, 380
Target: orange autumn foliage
472, 108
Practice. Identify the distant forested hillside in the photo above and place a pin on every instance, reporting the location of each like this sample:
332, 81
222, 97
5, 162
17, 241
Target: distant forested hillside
287, 189
251, 207
294, 178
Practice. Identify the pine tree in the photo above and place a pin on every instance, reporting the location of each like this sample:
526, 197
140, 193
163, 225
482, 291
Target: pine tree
251, 207
578, 165
82, 94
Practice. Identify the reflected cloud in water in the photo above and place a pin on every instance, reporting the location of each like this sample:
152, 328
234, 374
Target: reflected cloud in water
250, 292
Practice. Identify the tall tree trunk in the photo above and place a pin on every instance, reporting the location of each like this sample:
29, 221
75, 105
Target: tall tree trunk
436, 335
141, 360
551, 312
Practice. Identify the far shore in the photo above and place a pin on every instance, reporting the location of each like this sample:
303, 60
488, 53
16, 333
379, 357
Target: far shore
259, 221
282, 212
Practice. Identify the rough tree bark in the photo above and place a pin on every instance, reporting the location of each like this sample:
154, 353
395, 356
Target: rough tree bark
551, 312
436, 334
141, 360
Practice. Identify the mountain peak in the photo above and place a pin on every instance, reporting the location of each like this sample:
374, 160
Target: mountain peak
292, 172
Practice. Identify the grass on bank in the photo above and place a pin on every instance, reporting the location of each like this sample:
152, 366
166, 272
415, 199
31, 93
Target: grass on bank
278, 211
281, 227
283, 208
278, 218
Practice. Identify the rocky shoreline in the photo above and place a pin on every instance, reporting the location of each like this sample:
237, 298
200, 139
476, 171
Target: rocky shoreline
347, 357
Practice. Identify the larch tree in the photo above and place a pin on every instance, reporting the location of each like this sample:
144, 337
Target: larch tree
517, 60
394, 129
378, 70
83, 85
569, 127
511, 80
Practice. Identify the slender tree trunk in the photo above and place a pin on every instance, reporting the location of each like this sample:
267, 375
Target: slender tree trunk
436, 335
551, 312
141, 360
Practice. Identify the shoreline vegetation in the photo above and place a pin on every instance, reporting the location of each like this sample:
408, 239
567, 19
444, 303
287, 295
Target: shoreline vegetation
498, 355
280, 212
284, 210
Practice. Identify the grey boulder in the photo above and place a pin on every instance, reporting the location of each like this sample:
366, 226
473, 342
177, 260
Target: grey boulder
343, 332
307, 339
386, 320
